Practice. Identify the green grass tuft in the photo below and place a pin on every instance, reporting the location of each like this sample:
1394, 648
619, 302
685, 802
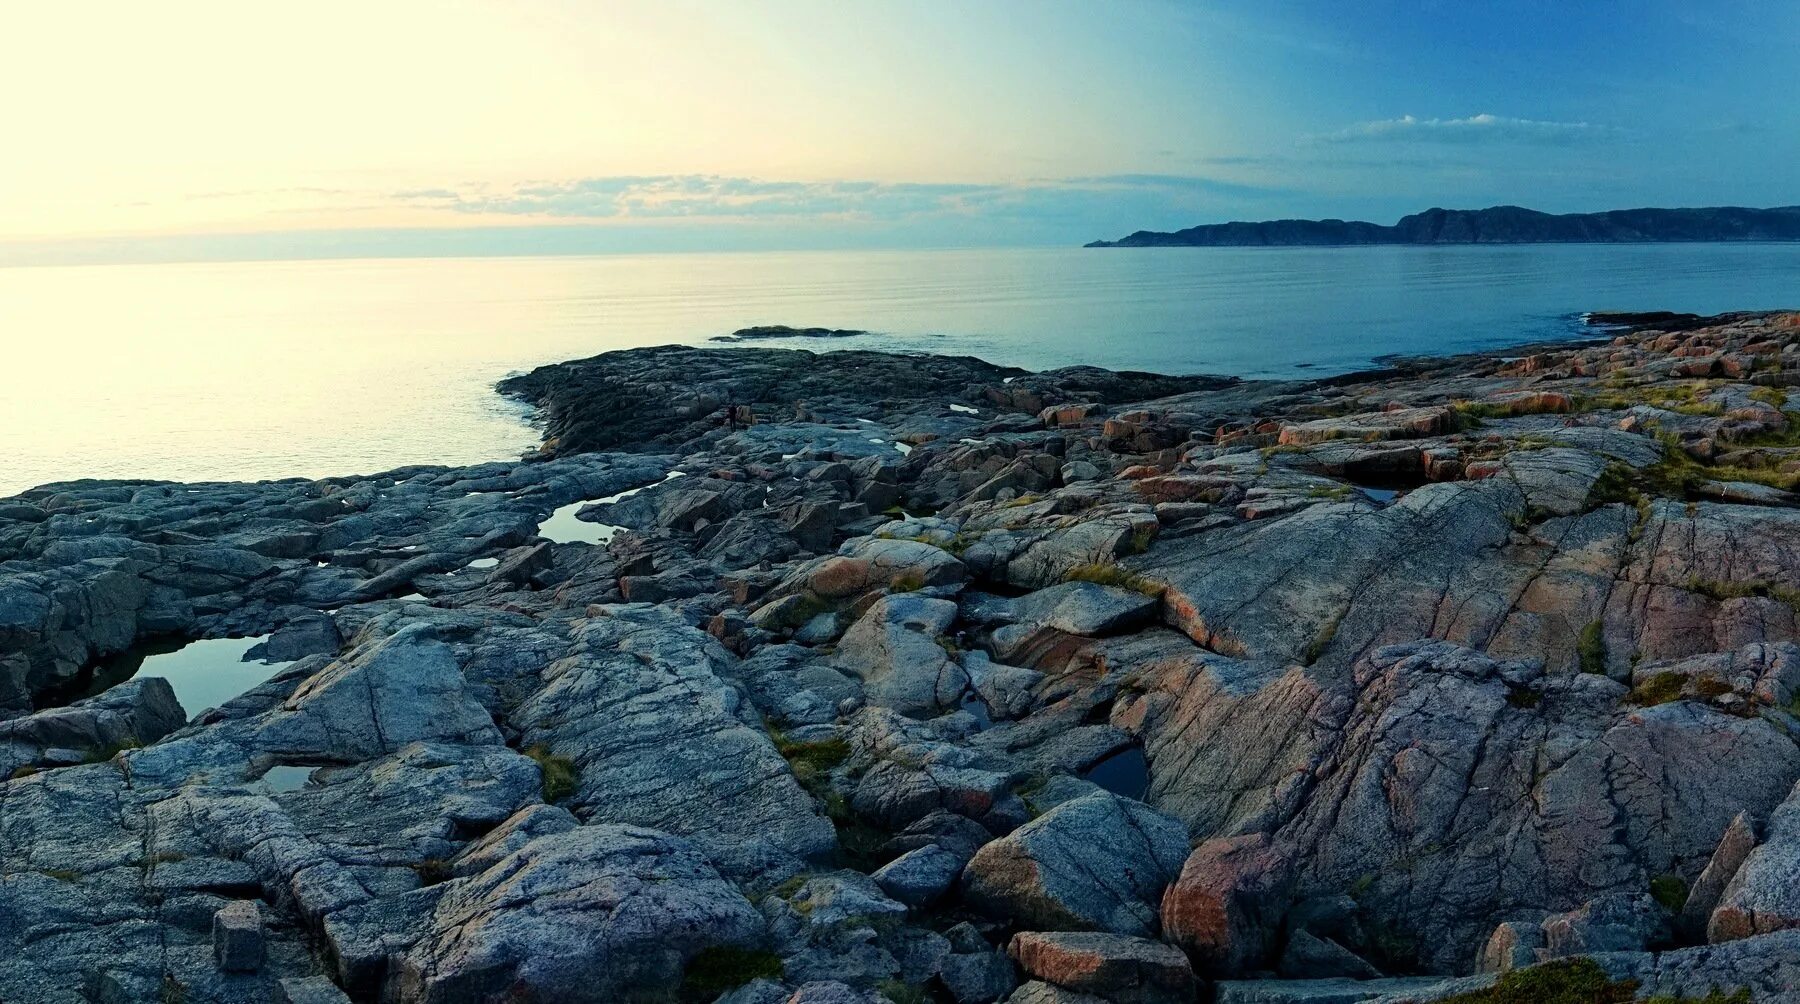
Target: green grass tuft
812, 762
101, 754
721, 968
1590, 648
1577, 981
901, 993
431, 871
558, 773
1107, 574
1322, 641
1669, 890
1659, 689
1523, 697
1721, 591
1618, 483
1565, 981
1774, 397
1683, 398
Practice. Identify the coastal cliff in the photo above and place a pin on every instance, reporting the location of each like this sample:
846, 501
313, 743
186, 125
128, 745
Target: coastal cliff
1496, 225
1473, 679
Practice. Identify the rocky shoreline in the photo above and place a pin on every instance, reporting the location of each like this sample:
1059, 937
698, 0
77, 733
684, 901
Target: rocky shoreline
916, 678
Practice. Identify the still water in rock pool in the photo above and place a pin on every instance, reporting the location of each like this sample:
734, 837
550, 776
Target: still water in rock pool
204, 673
286, 777
563, 527
1124, 773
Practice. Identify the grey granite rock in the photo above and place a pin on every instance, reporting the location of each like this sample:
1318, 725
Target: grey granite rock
1047, 874
641, 708
237, 931
894, 650
583, 915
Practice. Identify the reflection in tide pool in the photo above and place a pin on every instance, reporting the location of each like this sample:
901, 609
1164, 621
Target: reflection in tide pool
204, 673
562, 526
1124, 773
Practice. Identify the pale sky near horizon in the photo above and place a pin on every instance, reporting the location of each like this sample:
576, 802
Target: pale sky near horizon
223, 129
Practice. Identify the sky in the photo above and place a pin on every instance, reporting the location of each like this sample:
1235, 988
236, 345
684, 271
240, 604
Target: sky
221, 130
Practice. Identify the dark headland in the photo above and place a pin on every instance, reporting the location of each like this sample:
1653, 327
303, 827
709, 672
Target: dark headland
1495, 225
916, 678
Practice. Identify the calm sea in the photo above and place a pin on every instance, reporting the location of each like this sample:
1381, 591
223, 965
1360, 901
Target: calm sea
277, 369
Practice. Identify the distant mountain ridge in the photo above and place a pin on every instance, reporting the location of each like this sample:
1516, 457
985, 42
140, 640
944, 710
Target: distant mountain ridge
1495, 225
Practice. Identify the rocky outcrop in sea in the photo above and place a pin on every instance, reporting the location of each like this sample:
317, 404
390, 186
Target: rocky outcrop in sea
854, 677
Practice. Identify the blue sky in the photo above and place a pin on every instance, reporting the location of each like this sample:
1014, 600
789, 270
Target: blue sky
201, 128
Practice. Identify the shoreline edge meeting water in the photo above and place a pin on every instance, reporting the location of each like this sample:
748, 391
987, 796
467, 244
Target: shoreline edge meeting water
310, 369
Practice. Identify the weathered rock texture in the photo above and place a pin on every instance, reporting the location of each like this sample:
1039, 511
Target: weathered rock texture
910, 672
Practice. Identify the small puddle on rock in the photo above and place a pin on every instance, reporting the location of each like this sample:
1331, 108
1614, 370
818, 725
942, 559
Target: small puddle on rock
1383, 487
1124, 773
286, 778
204, 673
562, 527
976, 707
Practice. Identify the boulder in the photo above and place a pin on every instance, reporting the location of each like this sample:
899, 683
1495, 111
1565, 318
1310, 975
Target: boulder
1764, 894
1037, 992
1099, 862
309, 990
237, 933
594, 914
1513, 945
895, 650
1620, 922
138, 711
978, 977
1115, 967
921, 876
1704, 895
1405, 423
1225, 908
874, 563
1084, 608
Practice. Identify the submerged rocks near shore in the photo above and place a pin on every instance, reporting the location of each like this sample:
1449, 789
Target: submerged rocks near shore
928, 679
766, 332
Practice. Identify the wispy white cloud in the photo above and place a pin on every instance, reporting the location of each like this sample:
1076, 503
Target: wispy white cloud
649, 197
1483, 128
